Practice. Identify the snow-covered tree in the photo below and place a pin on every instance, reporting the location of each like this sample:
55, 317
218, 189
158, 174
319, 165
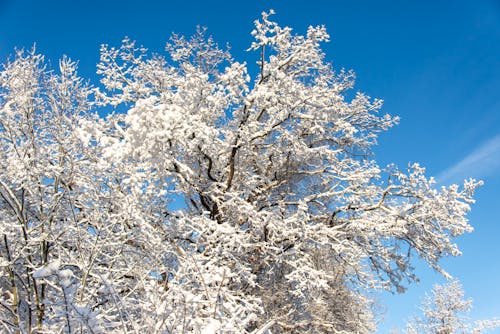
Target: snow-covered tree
445, 311
213, 201
39, 184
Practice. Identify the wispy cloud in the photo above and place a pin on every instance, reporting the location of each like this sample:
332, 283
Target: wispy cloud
482, 162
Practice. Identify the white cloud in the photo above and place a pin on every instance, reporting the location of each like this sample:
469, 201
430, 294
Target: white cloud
482, 162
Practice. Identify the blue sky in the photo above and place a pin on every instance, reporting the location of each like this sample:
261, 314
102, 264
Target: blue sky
435, 63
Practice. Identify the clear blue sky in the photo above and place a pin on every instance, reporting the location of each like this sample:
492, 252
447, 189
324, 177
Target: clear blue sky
435, 63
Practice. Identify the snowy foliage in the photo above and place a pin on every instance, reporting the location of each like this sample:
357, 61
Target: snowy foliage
445, 311
218, 202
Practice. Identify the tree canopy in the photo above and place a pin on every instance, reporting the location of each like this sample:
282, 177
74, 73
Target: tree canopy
445, 311
211, 199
